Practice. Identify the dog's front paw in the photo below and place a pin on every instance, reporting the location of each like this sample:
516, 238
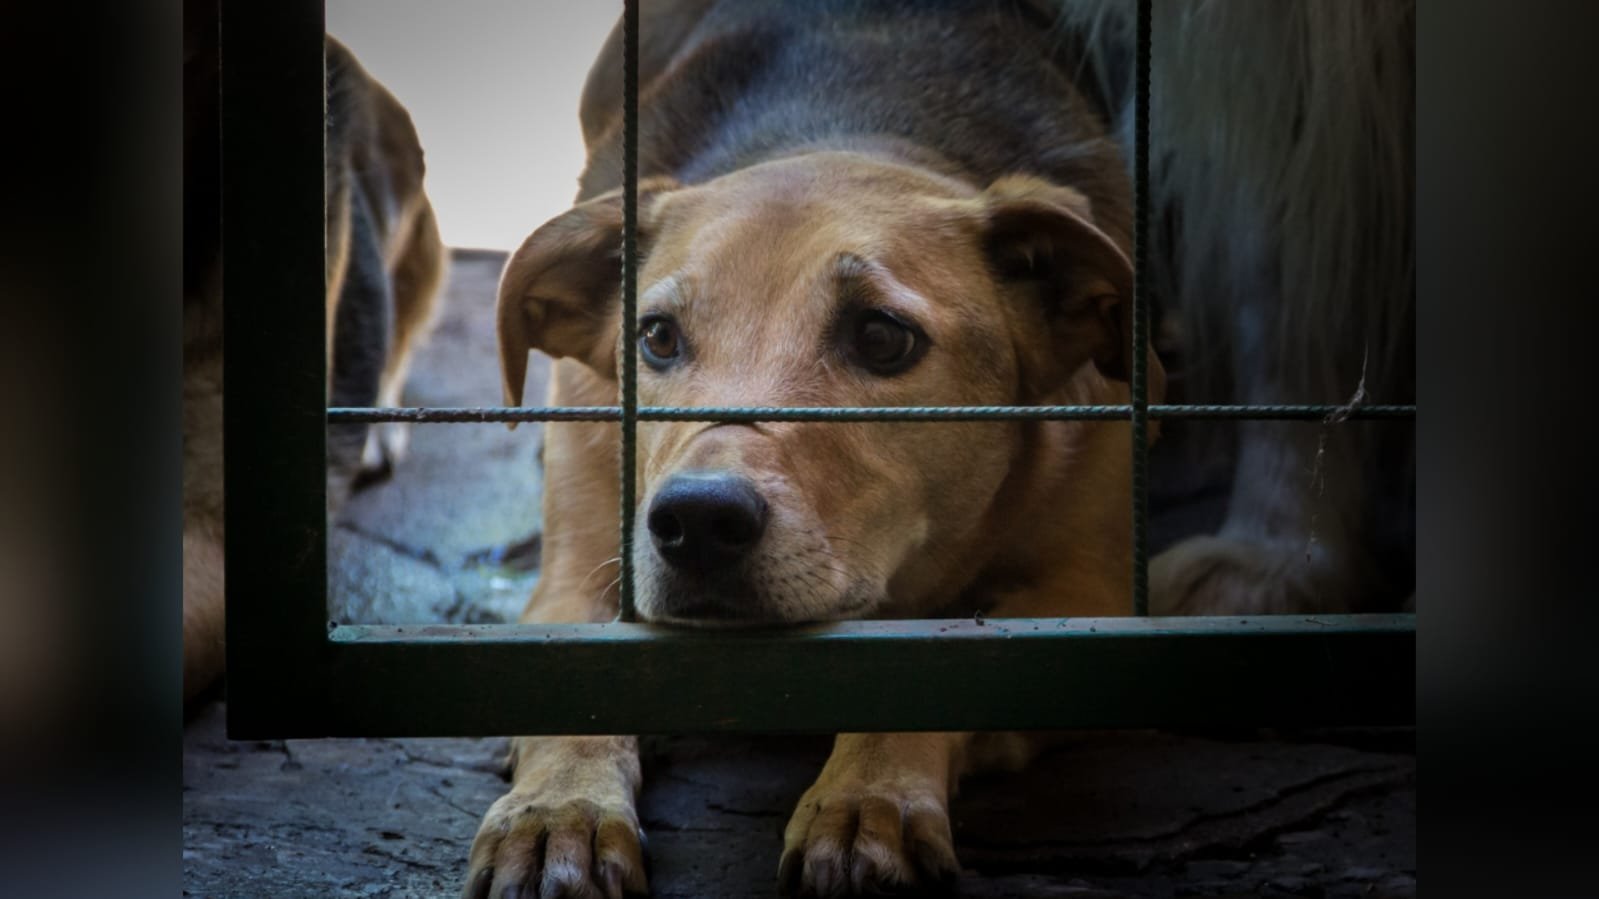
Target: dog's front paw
868, 839
531, 848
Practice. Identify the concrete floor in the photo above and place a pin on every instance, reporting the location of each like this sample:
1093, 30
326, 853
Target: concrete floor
1145, 815
453, 536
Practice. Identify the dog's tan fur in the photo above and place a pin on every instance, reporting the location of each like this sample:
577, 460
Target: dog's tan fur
388, 255
868, 519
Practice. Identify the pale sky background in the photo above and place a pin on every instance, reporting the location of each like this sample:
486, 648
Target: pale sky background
493, 88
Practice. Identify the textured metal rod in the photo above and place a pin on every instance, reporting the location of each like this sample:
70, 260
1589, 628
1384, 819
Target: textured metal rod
501, 414
629, 298
1140, 379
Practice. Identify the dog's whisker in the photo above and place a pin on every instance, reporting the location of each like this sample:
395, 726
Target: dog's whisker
583, 584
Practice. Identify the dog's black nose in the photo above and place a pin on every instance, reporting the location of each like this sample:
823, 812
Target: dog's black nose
701, 520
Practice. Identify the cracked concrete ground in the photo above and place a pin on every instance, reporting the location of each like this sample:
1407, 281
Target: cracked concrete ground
1134, 815
453, 536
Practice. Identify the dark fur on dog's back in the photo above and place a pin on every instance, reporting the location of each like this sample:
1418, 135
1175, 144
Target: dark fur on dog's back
1000, 100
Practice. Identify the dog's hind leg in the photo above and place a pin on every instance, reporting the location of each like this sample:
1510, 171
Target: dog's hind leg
417, 278
1283, 139
1301, 533
363, 323
1292, 540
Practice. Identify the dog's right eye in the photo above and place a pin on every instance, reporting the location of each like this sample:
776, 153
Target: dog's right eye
659, 342
884, 344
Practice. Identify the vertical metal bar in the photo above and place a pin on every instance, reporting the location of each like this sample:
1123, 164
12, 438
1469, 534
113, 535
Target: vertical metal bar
1140, 379
274, 367
629, 295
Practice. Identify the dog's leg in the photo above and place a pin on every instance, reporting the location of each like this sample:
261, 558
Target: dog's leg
1292, 539
1299, 532
569, 825
363, 327
877, 818
417, 278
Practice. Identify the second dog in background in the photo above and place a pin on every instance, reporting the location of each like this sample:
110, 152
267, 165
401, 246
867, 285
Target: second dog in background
1283, 253
385, 265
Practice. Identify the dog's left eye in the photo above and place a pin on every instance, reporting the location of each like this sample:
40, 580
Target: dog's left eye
884, 344
660, 342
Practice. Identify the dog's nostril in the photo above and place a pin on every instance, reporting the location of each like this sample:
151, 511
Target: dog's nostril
700, 520
665, 527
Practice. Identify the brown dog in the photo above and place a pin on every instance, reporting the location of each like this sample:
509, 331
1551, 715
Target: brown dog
844, 204
384, 267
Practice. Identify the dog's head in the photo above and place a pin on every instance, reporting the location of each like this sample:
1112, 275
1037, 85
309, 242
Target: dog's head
830, 279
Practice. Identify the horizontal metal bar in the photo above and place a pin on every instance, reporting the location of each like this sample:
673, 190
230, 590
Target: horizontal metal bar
871, 676
490, 414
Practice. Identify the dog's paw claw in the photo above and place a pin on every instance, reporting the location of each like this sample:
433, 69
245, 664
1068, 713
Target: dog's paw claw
526, 848
870, 841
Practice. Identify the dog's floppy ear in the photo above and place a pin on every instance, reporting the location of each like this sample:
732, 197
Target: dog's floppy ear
1043, 236
560, 291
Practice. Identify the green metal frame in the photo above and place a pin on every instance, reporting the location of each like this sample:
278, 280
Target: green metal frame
293, 673
1012, 673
